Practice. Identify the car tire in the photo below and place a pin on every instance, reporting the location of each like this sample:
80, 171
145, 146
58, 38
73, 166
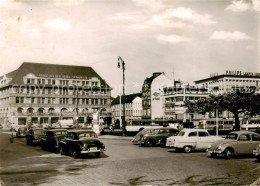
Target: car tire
212, 156
228, 153
258, 158
187, 149
97, 154
148, 143
43, 147
163, 143
75, 154
62, 151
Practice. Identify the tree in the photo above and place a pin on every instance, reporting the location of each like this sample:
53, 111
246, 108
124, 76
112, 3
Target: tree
235, 102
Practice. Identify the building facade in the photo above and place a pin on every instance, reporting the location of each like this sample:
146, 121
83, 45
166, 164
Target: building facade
230, 81
152, 95
133, 108
45, 93
174, 99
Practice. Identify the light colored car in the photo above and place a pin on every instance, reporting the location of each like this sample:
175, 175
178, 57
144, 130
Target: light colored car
191, 139
235, 143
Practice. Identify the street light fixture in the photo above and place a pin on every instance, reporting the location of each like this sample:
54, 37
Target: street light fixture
120, 60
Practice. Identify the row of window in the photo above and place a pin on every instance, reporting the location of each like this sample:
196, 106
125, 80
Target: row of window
43, 100
55, 91
62, 82
128, 113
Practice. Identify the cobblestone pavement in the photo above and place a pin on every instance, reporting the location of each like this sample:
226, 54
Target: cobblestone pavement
121, 164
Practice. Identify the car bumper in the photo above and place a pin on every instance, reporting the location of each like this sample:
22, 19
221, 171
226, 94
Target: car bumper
91, 151
256, 152
215, 153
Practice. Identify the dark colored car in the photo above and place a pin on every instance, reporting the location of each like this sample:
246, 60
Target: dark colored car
158, 136
52, 138
137, 138
34, 136
79, 142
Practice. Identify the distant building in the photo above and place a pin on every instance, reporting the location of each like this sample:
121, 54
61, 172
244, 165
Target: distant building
45, 93
133, 108
230, 81
175, 97
152, 93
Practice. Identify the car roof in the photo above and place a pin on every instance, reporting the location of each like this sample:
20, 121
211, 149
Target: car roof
243, 132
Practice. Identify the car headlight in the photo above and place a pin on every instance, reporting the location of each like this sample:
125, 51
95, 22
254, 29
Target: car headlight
219, 147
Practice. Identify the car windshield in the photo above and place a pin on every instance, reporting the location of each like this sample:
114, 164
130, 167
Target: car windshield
232, 136
89, 134
181, 133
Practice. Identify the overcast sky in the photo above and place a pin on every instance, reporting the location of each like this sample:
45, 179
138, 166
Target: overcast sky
192, 38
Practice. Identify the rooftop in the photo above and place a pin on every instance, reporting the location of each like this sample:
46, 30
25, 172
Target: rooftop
126, 99
53, 70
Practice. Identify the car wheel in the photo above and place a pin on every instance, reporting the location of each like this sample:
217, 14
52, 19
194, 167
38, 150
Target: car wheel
228, 153
212, 156
187, 149
258, 158
62, 151
97, 154
163, 143
148, 143
75, 154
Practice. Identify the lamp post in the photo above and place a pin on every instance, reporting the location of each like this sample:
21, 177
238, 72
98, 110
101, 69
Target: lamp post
120, 60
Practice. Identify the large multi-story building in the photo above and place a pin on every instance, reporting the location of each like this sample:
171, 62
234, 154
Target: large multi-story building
175, 97
45, 93
152, 93
230, 81
133, 108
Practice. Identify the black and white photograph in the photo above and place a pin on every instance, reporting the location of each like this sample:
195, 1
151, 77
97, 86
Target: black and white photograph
129, 92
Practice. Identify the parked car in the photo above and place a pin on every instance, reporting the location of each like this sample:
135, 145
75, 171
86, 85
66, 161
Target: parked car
21, 132
52, 138
256, 152
235, 143
34, 136
137, 138
191, 139
158, 136
79, 142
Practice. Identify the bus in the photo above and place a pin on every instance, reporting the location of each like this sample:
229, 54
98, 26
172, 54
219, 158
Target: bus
223, 124
138, 125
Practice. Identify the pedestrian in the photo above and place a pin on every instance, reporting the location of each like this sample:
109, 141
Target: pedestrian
12, 138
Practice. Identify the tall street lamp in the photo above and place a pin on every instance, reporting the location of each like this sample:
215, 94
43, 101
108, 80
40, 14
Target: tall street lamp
120, 60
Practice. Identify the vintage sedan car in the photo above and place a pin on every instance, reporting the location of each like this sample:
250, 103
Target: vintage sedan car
79, 142
137, 138
34, 136
21, 132
191, 139
235, 143
52, 138
158, 136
